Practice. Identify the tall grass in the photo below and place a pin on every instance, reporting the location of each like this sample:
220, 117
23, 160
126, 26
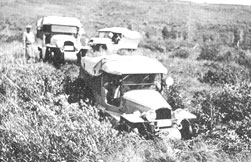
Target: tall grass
38, 124
11, 53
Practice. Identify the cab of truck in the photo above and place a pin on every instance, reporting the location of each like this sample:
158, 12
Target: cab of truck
130, 89
59, 39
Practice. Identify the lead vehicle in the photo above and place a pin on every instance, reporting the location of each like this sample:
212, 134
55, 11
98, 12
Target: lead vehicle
58, 39
130, 88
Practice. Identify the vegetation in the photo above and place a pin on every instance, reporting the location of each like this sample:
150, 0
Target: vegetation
207, 55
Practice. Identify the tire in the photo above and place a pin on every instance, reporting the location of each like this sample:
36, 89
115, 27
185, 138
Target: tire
40, 54
89, 95
75, 90
186, 130
58, 57
123, 126
47, 55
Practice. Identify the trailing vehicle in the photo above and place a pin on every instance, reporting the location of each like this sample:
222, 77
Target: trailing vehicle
114, 39
58, 39
129, 88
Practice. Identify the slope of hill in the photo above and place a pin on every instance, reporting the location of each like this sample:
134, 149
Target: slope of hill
215, 22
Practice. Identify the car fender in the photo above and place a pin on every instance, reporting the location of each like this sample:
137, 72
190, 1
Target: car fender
181, 114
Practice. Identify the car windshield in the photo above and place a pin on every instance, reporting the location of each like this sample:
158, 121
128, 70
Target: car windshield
64, 29
145, 80
104, 35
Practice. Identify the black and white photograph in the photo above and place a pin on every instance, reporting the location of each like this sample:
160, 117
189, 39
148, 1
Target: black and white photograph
125, 81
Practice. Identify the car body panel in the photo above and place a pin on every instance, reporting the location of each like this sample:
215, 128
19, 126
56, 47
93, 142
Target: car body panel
148, 98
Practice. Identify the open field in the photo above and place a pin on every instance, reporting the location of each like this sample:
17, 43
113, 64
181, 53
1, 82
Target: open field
206, 49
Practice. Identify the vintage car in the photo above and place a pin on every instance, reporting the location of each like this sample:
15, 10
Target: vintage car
58, 39
114, 39
130, 88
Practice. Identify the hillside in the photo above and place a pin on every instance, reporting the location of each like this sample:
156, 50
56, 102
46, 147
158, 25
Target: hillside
206, 49
195, 22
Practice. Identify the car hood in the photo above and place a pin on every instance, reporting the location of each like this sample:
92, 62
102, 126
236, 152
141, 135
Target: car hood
58, 40
146, 100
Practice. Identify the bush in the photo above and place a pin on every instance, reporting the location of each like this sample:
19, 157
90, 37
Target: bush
219, 74
180, 53
153, 45
243, 59
212, 52
38, 124
209, 52
165, 33
173, 97
225, 115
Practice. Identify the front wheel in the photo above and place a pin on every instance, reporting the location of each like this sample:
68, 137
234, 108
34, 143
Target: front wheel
47, 55
40, 54
186, 130
58, 57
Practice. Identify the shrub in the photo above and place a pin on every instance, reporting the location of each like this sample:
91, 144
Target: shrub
218, 74
212, 52
153, 45
181, 53
165, 33
173, 97
243, 59
38, 124
209, 52
225, 115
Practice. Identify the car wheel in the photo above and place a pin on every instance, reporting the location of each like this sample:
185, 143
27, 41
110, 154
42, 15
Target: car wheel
57, 58
186, 129
47, 55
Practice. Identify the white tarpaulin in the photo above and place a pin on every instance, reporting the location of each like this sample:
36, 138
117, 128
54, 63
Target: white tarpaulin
118, 65
58, 20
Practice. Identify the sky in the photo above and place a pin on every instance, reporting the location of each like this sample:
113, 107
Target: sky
241, 2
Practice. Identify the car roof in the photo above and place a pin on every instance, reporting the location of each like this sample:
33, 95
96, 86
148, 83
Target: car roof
119, 65
59, 20
124, 31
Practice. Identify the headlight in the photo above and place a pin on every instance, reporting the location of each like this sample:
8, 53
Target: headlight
150, 115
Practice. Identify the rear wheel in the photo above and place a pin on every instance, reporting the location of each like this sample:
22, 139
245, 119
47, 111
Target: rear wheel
78, 91
48, 55
89, 96
123, 126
